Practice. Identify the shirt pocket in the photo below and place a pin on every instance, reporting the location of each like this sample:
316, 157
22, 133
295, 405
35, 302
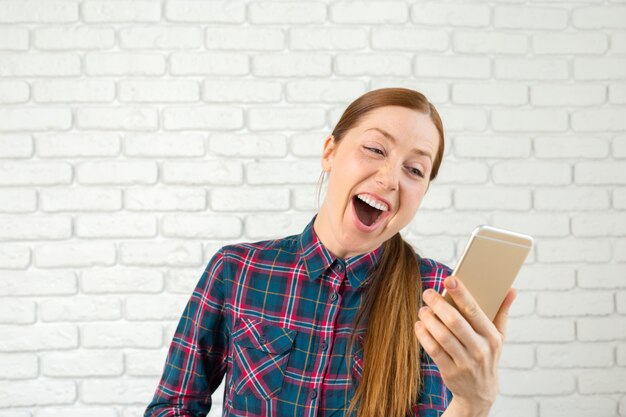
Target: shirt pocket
261, 353
357, 360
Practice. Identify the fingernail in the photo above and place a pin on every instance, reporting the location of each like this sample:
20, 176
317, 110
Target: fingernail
428, 294
451, 283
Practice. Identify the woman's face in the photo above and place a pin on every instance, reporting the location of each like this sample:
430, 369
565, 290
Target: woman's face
385, 159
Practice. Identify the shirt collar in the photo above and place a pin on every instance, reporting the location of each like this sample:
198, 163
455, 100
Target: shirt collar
317, 258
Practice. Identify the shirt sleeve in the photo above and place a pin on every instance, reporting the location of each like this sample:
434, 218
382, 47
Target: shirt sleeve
196, 360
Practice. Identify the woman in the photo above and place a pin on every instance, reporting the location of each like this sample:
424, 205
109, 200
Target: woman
328, 322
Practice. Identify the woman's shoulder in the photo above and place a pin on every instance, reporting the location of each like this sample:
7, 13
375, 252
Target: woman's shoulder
433, 273
285, 245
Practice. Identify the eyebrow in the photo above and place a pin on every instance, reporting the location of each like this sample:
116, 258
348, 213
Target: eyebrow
394, 140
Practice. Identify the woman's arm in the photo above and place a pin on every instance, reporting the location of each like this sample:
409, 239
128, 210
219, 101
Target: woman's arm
465, 345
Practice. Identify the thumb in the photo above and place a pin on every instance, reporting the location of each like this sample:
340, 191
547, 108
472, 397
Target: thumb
503, 313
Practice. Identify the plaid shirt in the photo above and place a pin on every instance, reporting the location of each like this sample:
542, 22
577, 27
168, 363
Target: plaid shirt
274, 317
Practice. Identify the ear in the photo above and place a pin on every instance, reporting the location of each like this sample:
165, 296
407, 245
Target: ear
327, 153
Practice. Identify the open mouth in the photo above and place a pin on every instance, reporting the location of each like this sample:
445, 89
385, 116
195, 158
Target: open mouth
366, 214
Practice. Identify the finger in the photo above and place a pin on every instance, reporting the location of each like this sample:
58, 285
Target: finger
432, 348
443, 336
468, 306
503, 313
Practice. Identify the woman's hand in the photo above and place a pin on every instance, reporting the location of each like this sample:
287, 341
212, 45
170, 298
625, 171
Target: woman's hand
464, 344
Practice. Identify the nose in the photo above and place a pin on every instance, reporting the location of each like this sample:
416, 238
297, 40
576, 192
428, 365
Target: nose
387, 178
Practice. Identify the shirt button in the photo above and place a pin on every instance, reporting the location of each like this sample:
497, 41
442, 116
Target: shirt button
324, 345
339, 267
313, 393
333, 296
262, 340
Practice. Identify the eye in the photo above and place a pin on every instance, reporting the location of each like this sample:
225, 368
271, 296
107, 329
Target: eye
375, 150
416, 172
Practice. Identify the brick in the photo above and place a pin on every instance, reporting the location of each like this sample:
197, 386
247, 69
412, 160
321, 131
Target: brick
538, 382
482, 198
441, 223
83, 254
165, 199
606, 172
577, 406
305, 198
16, 146
271, 225
18, 200
80, 199
82, 364
121, 335
81, 308
308, 144
575, 304
248, 145
110, 226
464, 173
595, 17
598, 120
164, 145
118, 118
525, 17
539, 278
37, 393
602, 276
544, 69
451, 66
599, 224
34, 119
517, 356
372, 12
202, 227
121, 280
437, 198
168, 91
324, 91
282, 172
450, 14
292, 64
618, 43
155, 307
245, 38
619, 147
241, 91
471, 42
77, 411
535, 172
409, 39
570, 43
209, 63
19, 11
16, 311
87, 91
594, 69
38, 337
573, 250
249, 199
228, 11
620, 302
39, 65
117, 172
601, 329
514, 407
180, 281
524, 305
534, 224
537, 330
164, 253
489, 93
117, 390
13, 92
78, 145
587, 355
279, 12
529, 120
124, 63
571, 198
203, 118
216, 172
565, 146
111, 11
35, 173
327, 38
463, 119
491, 147
619, 199
145, 363
14, 257
18, 366
13, 38
160, 37
286, 118
600, 381
37, 283
567, 95
35, 227
621, 354
73, 38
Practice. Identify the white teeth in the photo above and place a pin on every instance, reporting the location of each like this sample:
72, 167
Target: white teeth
372, 202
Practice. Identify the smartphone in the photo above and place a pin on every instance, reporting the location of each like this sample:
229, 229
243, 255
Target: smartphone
489, 264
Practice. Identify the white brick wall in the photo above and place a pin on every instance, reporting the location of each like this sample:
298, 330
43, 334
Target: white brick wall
137, 137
